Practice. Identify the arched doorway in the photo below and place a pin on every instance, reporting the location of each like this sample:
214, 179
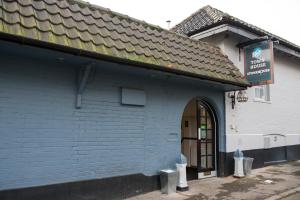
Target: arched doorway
198, 139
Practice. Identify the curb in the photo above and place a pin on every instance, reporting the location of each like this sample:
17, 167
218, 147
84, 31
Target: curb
284, 194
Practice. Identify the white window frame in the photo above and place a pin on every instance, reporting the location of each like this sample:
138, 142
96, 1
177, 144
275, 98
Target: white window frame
262, 94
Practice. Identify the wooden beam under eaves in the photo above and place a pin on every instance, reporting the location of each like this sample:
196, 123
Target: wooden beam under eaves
83, 76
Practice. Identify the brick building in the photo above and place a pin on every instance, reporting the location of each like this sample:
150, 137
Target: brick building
266, 127
92, 102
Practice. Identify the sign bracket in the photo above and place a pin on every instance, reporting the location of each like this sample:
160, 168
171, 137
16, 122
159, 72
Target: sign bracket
253, 41
249, 42
241, 45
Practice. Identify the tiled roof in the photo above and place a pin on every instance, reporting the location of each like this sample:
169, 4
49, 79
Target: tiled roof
92, 29
208, 16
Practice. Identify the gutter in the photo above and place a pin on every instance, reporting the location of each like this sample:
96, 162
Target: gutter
243, 31
79, 52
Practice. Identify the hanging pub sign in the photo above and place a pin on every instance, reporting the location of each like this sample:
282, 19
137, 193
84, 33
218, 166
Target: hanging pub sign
259, 63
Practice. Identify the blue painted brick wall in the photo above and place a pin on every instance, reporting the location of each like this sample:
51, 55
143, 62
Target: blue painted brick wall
45, 140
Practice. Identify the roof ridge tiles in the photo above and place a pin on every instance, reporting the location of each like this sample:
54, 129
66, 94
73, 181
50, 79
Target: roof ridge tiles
215, 16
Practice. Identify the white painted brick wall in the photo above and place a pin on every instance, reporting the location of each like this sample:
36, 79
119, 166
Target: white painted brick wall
249, 122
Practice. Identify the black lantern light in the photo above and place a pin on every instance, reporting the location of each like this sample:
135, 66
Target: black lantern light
241, 97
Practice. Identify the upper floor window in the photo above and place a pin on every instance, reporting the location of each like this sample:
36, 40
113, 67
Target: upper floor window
262, 93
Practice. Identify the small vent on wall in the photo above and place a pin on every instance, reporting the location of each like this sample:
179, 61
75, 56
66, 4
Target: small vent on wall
267, 142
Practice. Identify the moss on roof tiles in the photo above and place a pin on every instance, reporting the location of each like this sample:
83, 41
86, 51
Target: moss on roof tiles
101, 31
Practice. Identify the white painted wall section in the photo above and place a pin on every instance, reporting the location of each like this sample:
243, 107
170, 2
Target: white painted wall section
249, 124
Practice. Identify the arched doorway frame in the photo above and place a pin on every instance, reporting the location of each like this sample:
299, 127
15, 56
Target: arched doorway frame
209, 106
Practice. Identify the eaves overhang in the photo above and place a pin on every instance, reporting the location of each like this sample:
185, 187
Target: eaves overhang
243, 31
79, 52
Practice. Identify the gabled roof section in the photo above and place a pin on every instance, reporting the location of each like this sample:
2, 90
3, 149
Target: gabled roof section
204, 17
209, 17
97, 31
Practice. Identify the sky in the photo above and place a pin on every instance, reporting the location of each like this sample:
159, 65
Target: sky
280, 17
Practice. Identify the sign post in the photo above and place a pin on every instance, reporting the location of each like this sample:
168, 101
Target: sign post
259, 63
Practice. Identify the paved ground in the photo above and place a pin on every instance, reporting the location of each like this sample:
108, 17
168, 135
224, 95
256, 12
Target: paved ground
285, 186
293, 197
